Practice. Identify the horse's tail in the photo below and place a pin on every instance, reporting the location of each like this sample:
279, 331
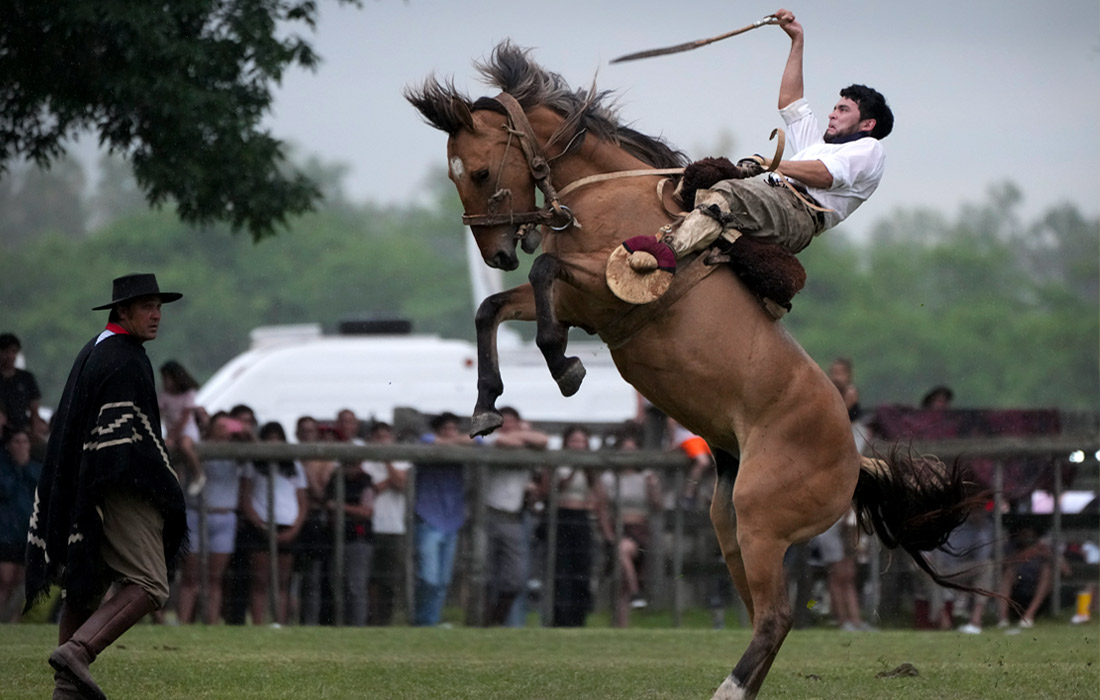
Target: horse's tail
913, 502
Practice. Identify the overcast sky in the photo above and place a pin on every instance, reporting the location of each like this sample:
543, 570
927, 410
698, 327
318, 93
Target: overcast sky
982, 91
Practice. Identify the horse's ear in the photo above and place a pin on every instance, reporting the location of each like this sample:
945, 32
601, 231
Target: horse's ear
441, 106
461, 109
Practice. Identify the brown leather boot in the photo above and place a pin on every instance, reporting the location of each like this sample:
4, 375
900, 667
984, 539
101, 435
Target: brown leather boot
65, 688
106, 624
71, 619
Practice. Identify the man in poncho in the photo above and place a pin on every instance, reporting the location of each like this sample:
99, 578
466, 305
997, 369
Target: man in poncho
108, 507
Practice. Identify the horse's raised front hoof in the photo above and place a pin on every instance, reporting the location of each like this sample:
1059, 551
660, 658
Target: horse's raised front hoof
485, 423
570, 380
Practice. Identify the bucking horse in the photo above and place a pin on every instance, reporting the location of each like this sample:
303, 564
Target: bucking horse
710, 356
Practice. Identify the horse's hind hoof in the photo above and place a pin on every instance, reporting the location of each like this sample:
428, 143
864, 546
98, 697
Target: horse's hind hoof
485, 423
570, 380
731, 690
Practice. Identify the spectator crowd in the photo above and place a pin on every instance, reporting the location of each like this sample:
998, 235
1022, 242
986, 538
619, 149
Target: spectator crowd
322, 541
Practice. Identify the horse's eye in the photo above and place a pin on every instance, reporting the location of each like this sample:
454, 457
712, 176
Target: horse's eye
480, 177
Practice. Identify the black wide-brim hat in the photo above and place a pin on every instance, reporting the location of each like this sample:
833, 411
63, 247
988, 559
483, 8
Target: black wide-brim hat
142, 284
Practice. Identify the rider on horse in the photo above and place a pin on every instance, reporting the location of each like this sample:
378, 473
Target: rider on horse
829, 176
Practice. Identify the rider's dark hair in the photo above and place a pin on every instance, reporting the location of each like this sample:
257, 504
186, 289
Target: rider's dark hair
872, 105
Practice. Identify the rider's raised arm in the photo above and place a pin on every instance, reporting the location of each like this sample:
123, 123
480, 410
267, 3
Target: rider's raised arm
790, 87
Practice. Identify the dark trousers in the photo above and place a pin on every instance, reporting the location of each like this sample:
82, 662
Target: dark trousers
573, 568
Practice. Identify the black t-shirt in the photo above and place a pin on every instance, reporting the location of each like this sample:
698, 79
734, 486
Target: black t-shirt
355, 483
16, 394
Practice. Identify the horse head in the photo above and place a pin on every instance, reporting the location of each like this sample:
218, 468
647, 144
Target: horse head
500, 148
492, 161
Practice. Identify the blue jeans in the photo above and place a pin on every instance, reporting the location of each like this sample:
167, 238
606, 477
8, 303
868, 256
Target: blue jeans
435, 558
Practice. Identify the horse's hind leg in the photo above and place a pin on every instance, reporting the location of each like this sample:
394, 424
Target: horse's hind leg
724, 520
514, 304
552, 335
761, 546
772, 619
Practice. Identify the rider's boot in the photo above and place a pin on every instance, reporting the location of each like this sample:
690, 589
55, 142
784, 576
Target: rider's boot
703, 225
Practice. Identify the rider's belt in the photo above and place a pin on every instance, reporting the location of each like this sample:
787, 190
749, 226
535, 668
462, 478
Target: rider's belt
811, 205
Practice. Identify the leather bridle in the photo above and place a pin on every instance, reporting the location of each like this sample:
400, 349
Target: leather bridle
554, 215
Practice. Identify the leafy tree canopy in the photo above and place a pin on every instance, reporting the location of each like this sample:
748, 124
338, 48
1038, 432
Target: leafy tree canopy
1005, 312
177, 87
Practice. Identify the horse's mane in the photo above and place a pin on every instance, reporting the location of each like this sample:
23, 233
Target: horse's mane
586, 112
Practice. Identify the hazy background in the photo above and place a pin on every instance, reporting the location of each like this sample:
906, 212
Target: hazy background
983, 91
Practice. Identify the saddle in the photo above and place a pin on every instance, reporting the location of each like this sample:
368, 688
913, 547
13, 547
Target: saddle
641, 269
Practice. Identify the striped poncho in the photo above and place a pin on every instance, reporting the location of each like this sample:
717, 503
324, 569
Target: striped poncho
106, 435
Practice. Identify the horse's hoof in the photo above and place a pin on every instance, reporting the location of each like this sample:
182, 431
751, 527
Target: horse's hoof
485, 423
570, 380
731, 690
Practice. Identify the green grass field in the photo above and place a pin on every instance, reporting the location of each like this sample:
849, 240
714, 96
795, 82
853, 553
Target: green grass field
161, 663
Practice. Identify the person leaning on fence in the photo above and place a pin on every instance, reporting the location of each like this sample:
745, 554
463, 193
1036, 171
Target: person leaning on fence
830, 174
640, 491
108, 507
387, 573
440, 513
289, 510
582, 504
506, 493
314, 551
358, 536
219, 499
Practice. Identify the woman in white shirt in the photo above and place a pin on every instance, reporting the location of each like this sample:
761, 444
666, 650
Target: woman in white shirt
289, 510
640, 495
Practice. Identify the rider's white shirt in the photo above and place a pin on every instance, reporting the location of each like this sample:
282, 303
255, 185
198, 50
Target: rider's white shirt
856, 166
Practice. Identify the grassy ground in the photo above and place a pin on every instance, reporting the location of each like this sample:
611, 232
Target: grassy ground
163, 663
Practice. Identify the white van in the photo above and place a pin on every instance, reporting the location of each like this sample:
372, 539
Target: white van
291, 371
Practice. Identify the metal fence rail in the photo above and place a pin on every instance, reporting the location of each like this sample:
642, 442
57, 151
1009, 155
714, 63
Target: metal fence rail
672, 464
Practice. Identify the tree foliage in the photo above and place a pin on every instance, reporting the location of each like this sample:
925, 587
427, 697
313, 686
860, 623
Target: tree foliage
35, 201
178, 87
1005, 312
334, 264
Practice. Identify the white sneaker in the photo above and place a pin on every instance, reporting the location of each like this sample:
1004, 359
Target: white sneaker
196, 486
970, 629
1026, 624
1079, 619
